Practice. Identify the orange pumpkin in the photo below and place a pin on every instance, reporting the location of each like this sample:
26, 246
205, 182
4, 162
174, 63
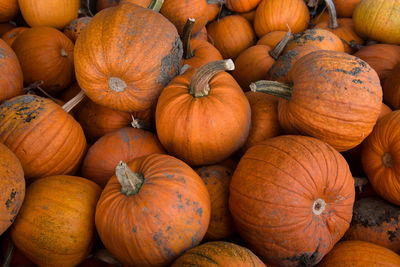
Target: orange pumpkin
201, 35
271, 39
102, 4
203, 117
391, 88
11, 80
241, 6
55, 13
213, 10
291, 198
250, 15
8, 10
10, 36
47, 55
321, 38
5, 27
345, 8
321, 17
124, 144
116, 74
75, 27
55, 226
167, 221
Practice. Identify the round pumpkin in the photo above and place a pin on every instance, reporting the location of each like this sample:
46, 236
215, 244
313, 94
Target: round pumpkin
249, 15
202, 35
218, 253
11, 79
55, 226
12, 190
54, 13
345, 8
102, 4
391, 88
203, 117
113, 64
271, 39
8, 10
241, 6
10, 36
291, 198
75, 27
143, 224
214, 9
47, 55
44, 137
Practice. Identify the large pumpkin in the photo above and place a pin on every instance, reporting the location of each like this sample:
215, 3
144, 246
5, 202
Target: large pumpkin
8, 10
152, 210
291, 198
55, 226
44, 137
11, 79
125, 56
12, 189
53, 13
335, 97
203, 117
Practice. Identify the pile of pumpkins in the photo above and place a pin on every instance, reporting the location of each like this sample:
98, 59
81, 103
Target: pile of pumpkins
200, 133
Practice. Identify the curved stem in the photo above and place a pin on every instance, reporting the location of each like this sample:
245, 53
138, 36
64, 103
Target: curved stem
9, 254
333, 23
278, 49
199, 83
140, 124
156, 5
272, 88
130, 181
74, 101
187, 32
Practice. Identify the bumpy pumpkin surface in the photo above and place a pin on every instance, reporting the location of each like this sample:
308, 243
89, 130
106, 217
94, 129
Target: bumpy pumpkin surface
11, 79
125, 56
321, 38
75, 27
291, 198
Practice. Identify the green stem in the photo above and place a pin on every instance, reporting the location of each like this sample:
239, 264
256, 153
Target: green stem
187, 32
130, 181
333, 23
156, 5
272, 88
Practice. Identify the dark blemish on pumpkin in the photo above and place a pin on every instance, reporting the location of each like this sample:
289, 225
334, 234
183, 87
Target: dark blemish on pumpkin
282, 67
171, 63
199, 211
169, 252
372, 211
2, 55
44, 207
306, 259
134, 229
25, 99
311, 35
357, 81
393, 234
157, 238
354, 72
345, 88
11, 198
168, 175
204, 257
146, 210
30, 116
169, 228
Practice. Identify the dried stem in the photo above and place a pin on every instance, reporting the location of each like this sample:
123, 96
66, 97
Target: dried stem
74, 101
130, 181
272, 88
187, 32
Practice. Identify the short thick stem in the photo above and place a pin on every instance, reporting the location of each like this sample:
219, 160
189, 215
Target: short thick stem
130, 181
278, 49
187, 32
74, 101
63, 52
199, 85
140, 124
333, 23
272, 88
387, 160
156, 5
318, 206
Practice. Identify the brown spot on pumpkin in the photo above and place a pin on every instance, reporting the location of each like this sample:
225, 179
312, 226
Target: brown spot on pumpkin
306, 259
373, 211
283, 69
392, 235
11, 198
354, 72
357, 81
171, 63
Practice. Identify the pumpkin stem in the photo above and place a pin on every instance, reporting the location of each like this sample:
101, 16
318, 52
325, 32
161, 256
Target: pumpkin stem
156, 5
187, 32
199, 84
139, 124
116, 84
130, 181
63, 52
272, 88
74, 101
319, 206
360, 182
278, 49
387, 160
333, 23
220, 2
105, 256
9, 254
36, 85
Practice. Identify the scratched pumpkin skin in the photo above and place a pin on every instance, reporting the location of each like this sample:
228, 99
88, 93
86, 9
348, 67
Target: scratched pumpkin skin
291, 198
168, 214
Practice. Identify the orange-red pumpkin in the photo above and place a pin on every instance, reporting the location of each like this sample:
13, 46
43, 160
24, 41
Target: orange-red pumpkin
391, 88
162, 223
214, 9
5, 27
240, 6
271, 39
250, 15
321, 17
10, 36
75, 27
8, 10
345, 8
102, 4
11, 79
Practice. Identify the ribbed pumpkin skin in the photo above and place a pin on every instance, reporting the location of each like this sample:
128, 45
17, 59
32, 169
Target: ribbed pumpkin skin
155, 226
125, 56
274, 15
54, 13
241, 5
378, 20
360, 254
376, 221
271, 39
11, 79
213, 10
217, 179
321, 38
124, 144
218, 253
203, 52
47, 55
345, 8
55, 226
8, 10
272, 194
336, 98
45, 138
391, 88
10, 36
12, 190
384, 139
75, 27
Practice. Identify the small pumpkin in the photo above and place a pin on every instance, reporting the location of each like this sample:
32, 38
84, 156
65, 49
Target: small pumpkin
271, 39
8, 10
345, 8
214, 9
391, 88
10, 36
11, 79
241, 6
55, 226
167, 221
75, 27
249, 15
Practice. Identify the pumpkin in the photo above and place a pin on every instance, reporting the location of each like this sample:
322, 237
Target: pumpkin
167, 221
378, 20
12, 254
10, 36
271, 39
391, 88
231, 45
218, 253
275, 15
376, 221
214, 9
102, 4
381, 57
291, 198
241, 6
11, 79
5, 27
178, 13
380, 157
359, 254
8, 10
117, 74
75, 27
55, 226
124, 144
345, 8
46, 54
12, 191
335, 97
44, 137
55, 13
201, 35
197, 52
342, 28
203, 117
321, 17
217, 179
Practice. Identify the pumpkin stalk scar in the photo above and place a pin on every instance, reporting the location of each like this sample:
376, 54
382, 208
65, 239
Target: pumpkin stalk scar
272, 88
387, 160
63, 52
130, 181
116, 84
74, 101
187, 32
199, 85
319, 206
